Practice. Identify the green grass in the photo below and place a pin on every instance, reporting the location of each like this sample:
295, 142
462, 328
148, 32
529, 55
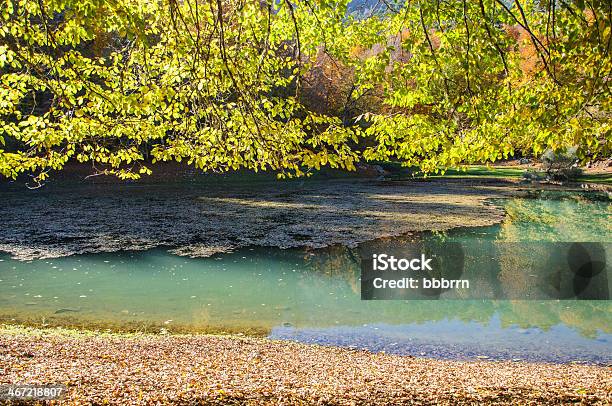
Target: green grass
483, 171
597, 178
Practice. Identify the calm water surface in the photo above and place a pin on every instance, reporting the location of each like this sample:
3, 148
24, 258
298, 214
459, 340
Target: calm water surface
314, 295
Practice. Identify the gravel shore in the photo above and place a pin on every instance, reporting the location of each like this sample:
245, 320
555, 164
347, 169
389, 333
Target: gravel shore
203, 369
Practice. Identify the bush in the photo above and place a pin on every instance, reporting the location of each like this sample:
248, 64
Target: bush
561, 165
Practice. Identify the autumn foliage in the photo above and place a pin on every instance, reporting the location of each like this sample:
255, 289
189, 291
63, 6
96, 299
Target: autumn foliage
291, 86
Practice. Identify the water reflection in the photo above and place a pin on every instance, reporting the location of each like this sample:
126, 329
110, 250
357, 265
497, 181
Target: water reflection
315, 294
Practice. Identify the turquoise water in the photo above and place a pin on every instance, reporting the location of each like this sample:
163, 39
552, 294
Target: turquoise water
314, 295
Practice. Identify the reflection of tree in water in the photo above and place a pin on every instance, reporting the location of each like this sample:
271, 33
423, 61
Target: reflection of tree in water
588, 317
521, 273
554, 217
338, 262
585, 316
558, 216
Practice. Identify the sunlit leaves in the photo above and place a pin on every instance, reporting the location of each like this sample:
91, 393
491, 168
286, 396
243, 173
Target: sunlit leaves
476, 86
219, 84
208, 83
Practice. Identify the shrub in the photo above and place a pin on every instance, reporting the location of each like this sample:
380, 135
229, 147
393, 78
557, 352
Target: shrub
561, 165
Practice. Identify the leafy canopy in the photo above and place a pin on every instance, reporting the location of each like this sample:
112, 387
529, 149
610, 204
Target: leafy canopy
221, 84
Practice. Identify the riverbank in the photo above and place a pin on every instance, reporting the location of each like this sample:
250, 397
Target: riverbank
186, 369
208, 215
199, 215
